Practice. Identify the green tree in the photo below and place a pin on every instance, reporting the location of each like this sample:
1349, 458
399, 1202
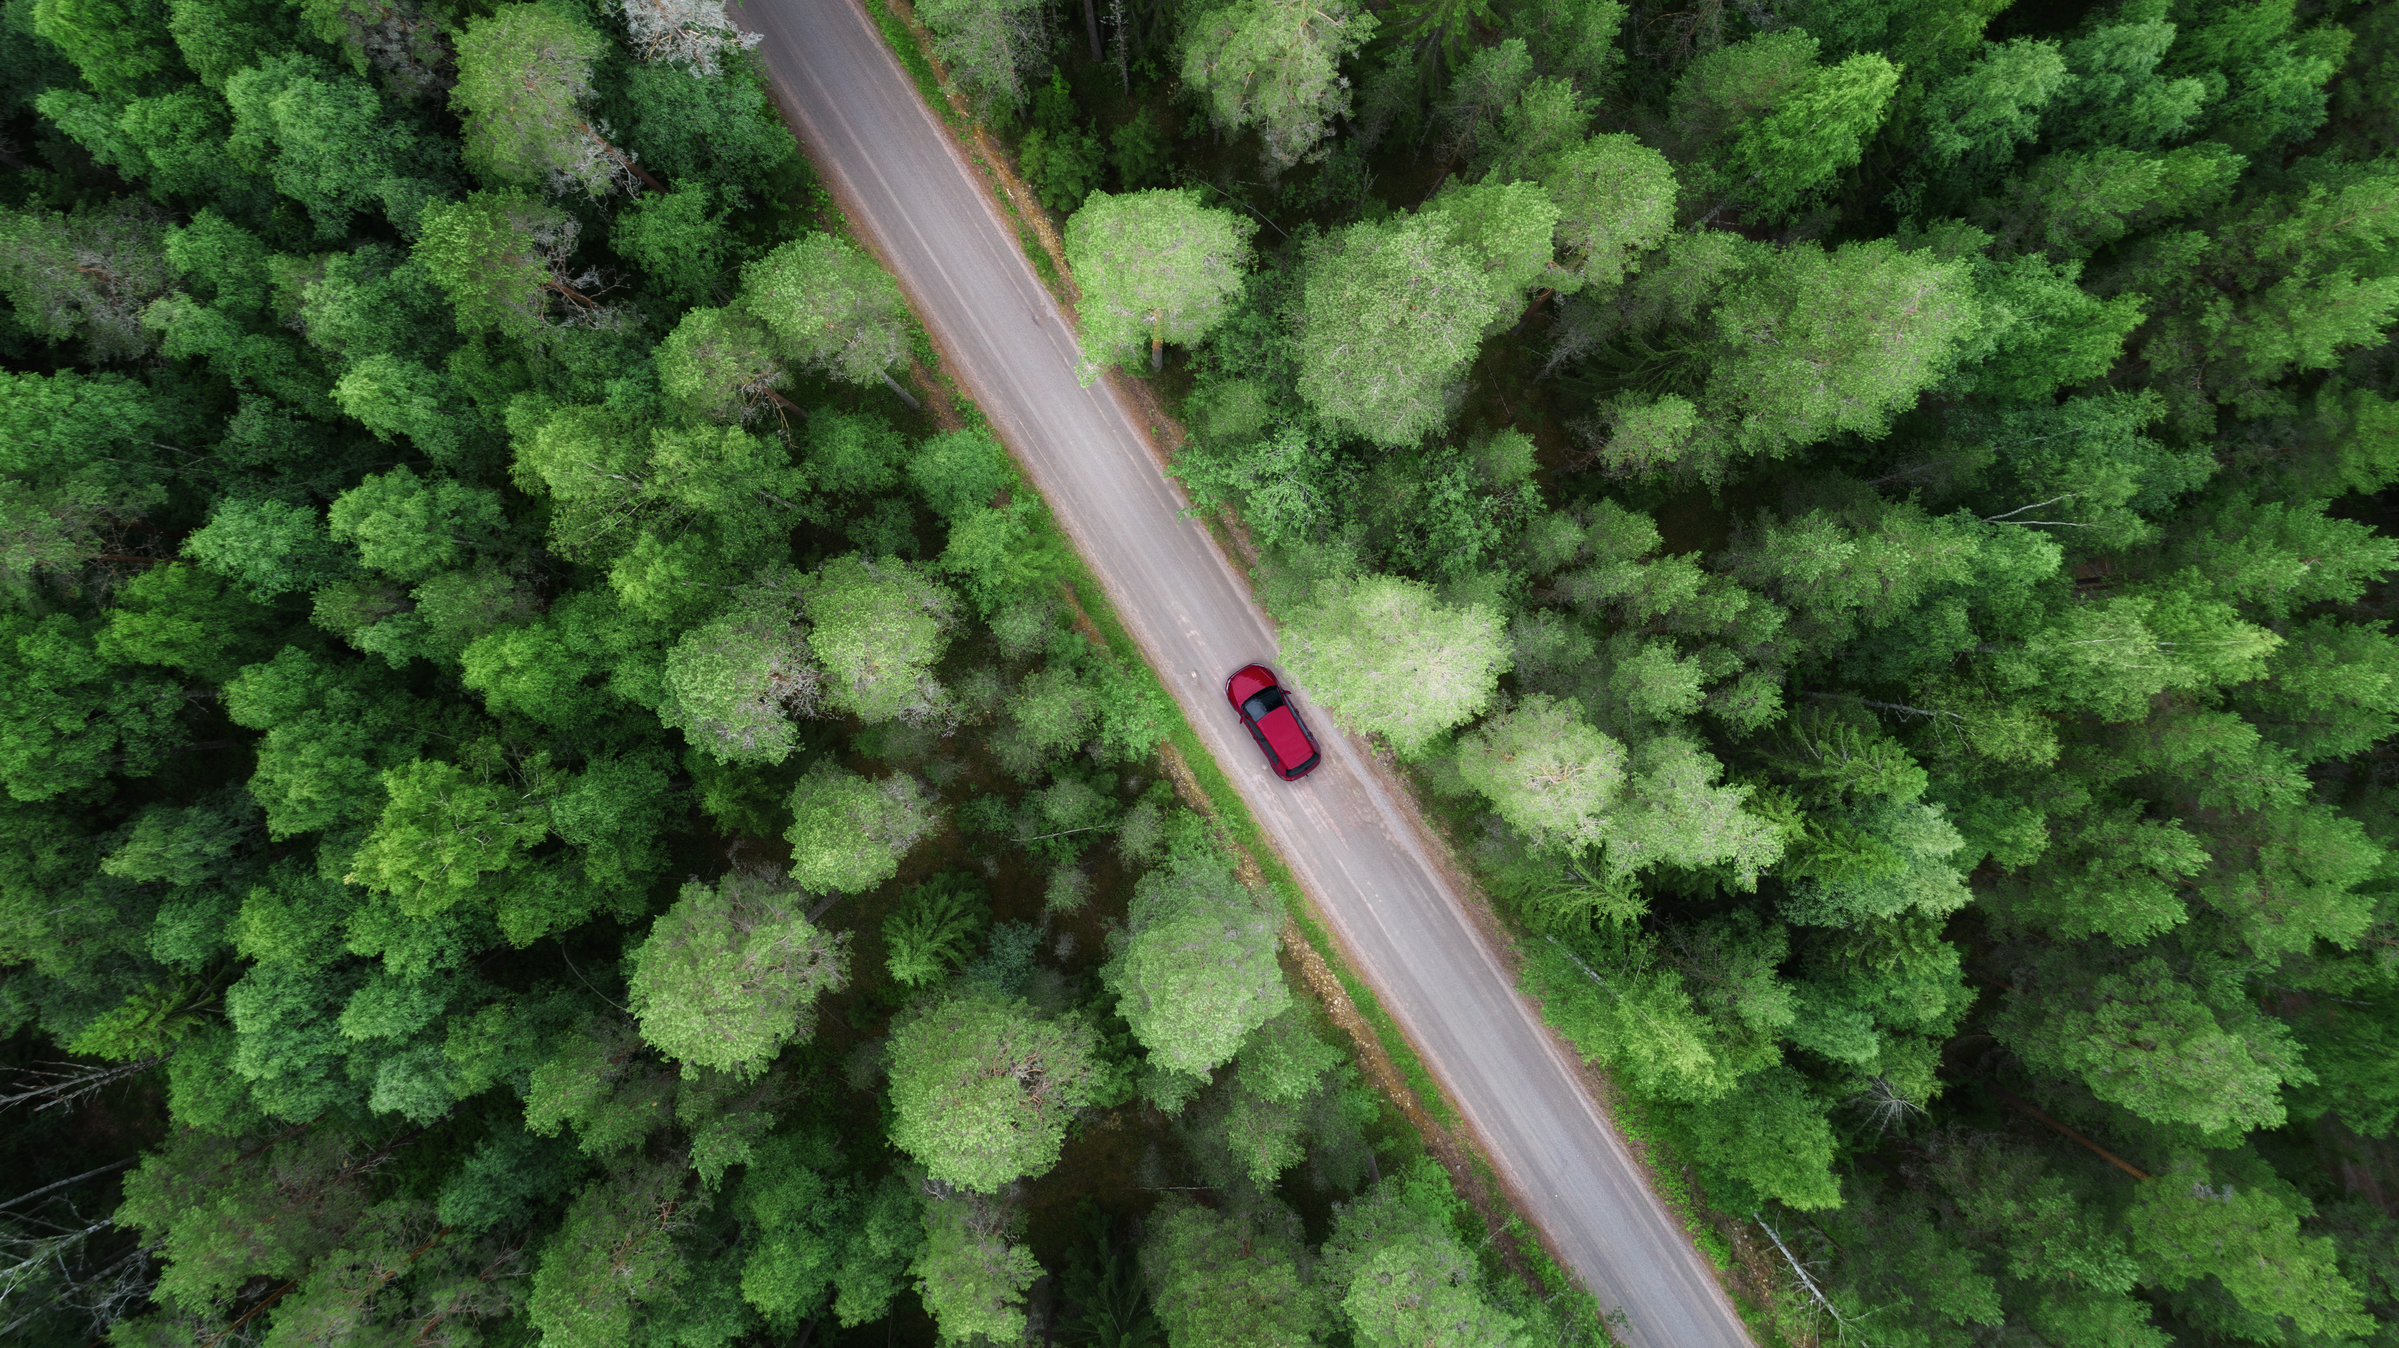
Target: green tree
1390, 314
1154, 266
446, 836
932, 932
982, 1088
86, 275
832, 308
1977, 117
501, 257
849, 832
996, 47
120, 46
323, 138
75, 462
1860, 331
1615, 200
972, 1277
75, 718
731, 974
1813, 131
524, 76
681, 239
614, 1251
879, 628
1274, 66
1197, 969
1357, 647
1400, 1273
2074, 203
410, 527
1551, 776
720, 364
2246, 1236
2145, 1039
1218, 1280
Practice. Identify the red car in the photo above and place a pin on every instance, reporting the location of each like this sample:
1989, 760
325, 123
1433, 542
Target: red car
1273, 722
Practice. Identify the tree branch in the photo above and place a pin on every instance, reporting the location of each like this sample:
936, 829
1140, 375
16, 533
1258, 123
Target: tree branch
78, 1179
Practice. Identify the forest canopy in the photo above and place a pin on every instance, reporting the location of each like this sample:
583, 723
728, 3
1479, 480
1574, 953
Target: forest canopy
558, 783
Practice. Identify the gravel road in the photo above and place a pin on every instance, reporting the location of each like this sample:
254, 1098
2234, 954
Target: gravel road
1341, 829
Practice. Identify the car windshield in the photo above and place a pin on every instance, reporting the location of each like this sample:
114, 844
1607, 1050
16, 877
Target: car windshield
1262, 703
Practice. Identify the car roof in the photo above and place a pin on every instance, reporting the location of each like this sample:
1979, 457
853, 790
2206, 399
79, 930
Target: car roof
1283, 734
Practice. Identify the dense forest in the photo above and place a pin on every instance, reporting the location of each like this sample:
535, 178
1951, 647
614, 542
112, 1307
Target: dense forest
549, 797
1865, 521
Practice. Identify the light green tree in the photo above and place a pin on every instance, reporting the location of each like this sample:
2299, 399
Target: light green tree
1388, 658
1615, 200
849, 832
1222, 1281
731, 973
524, 76
833, 308
1197, 970
1274, 66
972, 1277
1154, 266
409, 527
983, 1088
880, 627
1551, 776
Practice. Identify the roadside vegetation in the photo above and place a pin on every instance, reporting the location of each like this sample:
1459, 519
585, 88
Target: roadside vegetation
1869, 524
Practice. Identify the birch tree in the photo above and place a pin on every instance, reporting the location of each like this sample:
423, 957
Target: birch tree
1197, 972
1390, 315
1274, 66
1615, 200
849, 832
524, 80
1154, 266
695, 34
731, 973
833, 308
720, 364
982, 1088
1550, 775
502, 259
1388, 658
